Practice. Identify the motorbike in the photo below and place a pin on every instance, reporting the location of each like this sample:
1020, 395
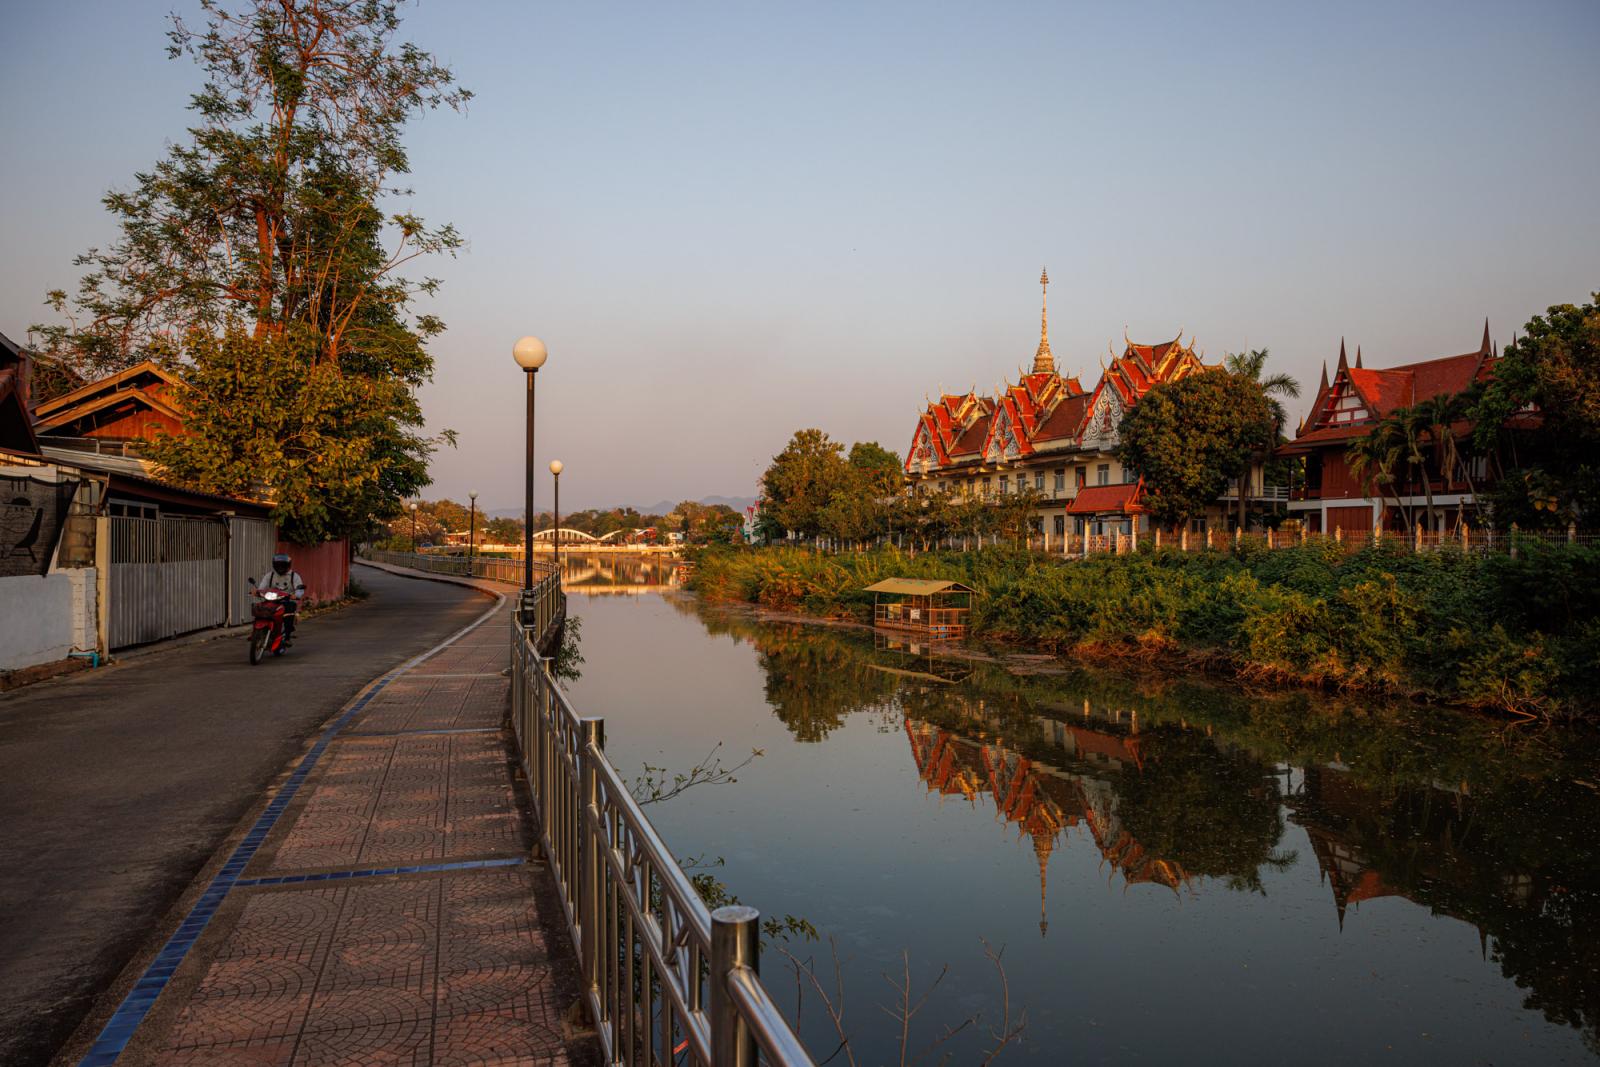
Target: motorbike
269, 612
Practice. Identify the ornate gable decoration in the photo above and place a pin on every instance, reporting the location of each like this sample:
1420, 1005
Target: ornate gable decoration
924, 457
1100, 428
1003, 443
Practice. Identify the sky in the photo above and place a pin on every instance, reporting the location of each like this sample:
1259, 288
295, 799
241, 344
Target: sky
732, 221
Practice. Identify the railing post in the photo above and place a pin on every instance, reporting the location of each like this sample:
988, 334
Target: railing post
591, 892
734, 944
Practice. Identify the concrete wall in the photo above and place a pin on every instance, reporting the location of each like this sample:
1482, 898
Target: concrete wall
43, 619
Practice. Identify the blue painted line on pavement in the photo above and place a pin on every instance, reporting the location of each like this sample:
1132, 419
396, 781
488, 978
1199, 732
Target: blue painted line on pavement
136, 1005
374, 872
119, 1029
409, 733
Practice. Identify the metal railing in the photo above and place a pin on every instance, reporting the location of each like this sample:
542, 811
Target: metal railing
494, 568
666, 980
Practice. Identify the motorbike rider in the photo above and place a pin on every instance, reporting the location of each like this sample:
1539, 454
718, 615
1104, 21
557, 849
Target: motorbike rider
285, 580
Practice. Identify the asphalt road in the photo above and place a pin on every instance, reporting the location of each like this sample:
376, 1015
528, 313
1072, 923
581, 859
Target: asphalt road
117, 785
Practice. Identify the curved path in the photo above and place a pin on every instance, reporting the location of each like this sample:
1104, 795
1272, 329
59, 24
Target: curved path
117, 786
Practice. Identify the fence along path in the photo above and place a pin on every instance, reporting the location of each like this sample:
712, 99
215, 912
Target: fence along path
666, 980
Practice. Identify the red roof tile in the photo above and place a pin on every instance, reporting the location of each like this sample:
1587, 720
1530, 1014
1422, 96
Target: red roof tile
1094, 498
1064, 419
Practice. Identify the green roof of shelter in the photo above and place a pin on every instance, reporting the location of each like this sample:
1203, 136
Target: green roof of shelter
917, 586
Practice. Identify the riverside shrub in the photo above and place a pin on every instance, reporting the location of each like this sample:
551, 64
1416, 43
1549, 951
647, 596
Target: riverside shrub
1481, 630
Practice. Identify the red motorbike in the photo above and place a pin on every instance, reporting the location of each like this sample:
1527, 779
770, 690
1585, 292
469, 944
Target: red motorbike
270, 611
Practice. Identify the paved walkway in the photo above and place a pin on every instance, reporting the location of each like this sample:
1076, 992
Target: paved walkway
394, 912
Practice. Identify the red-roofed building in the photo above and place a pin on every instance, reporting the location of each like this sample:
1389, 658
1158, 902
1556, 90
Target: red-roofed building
1046, 433
1346, 408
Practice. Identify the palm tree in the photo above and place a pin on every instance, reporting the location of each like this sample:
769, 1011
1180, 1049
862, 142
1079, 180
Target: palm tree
1416, 433
1374, 457
1251, 366
1440, 414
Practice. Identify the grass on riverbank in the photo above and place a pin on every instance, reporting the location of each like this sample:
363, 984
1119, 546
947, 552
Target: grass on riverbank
1480, 630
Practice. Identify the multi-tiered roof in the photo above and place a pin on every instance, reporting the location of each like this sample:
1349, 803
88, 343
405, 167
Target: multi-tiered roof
1044, 410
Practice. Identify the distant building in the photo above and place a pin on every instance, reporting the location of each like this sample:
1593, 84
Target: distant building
1345, 410
1048, 434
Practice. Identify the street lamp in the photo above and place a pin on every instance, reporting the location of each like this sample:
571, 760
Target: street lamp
413, 526
530, 355
555, 469
472, 528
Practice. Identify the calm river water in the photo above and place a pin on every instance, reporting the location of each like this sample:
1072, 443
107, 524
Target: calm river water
1175, 870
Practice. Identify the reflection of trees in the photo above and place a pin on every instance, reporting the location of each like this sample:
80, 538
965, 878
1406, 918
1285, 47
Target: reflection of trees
1450, 811
1212, 811
815, 680
1521, 864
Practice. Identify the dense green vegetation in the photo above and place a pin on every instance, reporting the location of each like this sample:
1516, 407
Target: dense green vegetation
1480, 630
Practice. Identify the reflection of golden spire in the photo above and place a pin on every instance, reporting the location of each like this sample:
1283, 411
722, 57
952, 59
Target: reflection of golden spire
1043, 361
1043, 844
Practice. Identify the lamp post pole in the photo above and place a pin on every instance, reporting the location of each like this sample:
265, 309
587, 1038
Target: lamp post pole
530, 354
555, 469
413, 526
472, 529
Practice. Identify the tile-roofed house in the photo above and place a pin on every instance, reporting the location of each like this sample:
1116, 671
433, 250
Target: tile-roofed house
1345, 409
112, 414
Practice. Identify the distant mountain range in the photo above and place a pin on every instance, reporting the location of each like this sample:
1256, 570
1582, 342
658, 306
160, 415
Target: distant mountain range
660, 507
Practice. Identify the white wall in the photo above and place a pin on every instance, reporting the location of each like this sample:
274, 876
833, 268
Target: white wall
43, 619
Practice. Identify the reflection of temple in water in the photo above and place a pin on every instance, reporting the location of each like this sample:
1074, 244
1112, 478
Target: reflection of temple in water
1347, 823
1044, 801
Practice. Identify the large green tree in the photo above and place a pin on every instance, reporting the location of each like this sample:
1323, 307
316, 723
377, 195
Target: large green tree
272, 224
882, 468
1189, 438
1539, 415
800, 482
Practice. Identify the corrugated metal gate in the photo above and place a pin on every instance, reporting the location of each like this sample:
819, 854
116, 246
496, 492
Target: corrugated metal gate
251, 543
168, 576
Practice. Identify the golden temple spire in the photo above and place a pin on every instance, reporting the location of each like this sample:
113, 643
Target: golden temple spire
1043, 361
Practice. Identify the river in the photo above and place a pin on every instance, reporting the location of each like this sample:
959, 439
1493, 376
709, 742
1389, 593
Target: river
1175, 869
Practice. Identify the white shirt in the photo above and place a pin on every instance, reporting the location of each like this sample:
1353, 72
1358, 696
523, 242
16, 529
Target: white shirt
288, 584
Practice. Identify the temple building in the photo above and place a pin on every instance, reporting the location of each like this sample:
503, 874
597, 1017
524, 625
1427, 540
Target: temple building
1347, 408
1048, 434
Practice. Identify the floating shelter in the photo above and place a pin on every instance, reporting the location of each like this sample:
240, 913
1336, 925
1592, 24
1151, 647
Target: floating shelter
923, 605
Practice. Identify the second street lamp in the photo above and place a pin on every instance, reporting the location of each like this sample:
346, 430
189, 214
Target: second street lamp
555, 469
413, 526
472, 528
530, 354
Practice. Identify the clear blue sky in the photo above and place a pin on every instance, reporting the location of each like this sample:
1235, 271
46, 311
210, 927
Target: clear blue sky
732, 221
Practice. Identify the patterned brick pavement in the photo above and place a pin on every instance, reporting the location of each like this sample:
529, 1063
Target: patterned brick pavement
465, 966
